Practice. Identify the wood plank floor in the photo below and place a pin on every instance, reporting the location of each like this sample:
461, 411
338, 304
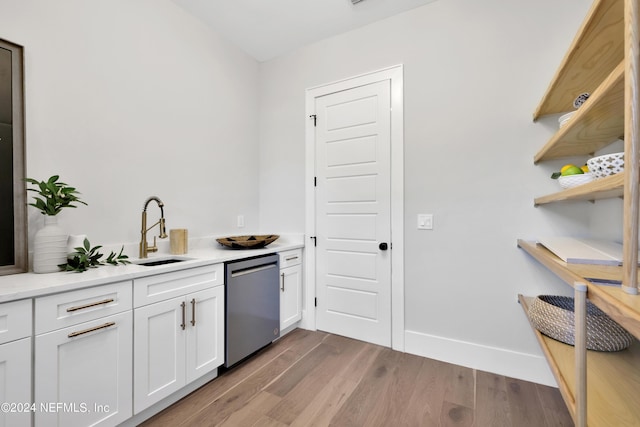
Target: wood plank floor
318, 379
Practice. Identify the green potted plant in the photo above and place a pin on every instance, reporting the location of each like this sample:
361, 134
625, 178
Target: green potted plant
50, 242
54, 195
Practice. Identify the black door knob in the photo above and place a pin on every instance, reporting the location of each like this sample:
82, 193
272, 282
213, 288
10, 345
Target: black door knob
383, 246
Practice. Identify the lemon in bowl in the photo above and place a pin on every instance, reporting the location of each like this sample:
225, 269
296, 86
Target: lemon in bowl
568, 170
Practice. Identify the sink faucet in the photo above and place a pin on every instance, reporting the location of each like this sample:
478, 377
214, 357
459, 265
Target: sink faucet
144, 246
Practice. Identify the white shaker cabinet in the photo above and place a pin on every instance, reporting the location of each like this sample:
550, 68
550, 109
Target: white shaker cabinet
179, 338
83, 357
290, 288
159, 354
15, 363
205, 336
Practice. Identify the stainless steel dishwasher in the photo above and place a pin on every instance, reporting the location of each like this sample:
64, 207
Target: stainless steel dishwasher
252, 301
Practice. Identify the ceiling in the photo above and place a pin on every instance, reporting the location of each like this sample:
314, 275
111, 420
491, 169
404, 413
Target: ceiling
266, 29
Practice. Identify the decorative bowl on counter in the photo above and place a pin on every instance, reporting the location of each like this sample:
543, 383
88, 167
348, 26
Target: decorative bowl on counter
606, 165
570, 181
253, 241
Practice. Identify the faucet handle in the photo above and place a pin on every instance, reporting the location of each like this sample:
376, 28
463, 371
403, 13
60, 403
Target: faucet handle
153, 248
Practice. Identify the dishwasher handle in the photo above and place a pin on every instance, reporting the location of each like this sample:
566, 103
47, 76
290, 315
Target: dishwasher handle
250, 270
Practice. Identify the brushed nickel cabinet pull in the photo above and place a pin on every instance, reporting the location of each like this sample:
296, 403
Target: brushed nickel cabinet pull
291, 258
193, 312
86, 331
91, 304
184, 315
282, 288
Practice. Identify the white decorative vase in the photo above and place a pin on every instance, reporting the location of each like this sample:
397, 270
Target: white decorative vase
49, 247
74, 241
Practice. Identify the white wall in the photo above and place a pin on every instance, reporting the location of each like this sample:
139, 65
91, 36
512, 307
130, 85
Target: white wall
474, 73
131, 98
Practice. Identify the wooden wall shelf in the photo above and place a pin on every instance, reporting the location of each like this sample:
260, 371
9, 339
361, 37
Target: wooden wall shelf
622, 307
613, 379
600, 40
604, 188
604, 61
597, 123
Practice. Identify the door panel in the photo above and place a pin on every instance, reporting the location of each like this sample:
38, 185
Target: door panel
15, 381
351, 226
353, 276
291, 296
351, 265
351, 302
351, 151
351, 189
87, 366
351, 112
205, 332
159, 352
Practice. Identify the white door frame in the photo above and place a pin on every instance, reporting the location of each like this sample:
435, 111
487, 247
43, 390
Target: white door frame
395, 76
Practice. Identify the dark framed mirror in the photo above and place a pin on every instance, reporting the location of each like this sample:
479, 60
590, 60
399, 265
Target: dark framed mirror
13, 209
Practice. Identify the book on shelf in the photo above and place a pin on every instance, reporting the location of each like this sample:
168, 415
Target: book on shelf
574, 250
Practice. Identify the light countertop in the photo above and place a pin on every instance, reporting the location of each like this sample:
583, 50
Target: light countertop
201, 252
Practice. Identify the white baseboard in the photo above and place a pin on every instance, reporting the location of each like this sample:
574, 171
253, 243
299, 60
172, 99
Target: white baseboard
509, 363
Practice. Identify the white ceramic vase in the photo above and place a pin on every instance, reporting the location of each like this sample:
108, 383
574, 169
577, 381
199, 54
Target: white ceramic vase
49, 247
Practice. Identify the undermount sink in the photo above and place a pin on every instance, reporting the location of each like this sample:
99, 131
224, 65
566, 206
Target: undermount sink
155, 262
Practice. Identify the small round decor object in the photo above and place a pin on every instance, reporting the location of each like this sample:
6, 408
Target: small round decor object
571, 181
606, 165
580, 99
253, 241
554, 317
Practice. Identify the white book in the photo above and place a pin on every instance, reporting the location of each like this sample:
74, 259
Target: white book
584, 251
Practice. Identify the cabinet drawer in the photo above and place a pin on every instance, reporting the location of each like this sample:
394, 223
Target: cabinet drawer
70, 308
289, 258
15, 320
148, 290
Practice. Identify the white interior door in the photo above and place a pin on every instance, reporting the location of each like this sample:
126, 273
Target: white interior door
353, 221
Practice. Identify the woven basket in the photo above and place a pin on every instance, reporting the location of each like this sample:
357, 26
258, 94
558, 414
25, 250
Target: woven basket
554, 317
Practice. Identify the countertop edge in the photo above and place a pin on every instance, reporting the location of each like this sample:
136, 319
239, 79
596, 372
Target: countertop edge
31, 285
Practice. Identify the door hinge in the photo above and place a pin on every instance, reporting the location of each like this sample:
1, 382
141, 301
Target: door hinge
314, 240
314, 117
315, 302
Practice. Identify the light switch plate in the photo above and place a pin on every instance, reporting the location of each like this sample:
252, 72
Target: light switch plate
240, 221
425, 221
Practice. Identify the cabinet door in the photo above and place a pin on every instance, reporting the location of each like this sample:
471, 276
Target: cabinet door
15, 382
205, 332
83, 373
159, 351
290, 296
